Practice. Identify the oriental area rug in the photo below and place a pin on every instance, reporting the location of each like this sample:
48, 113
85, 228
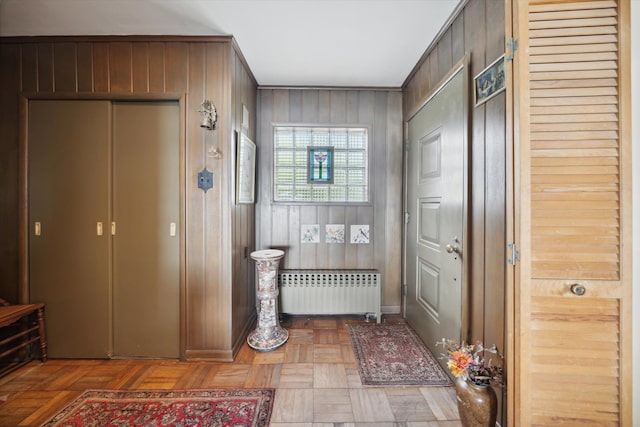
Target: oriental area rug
219, 408
394, 355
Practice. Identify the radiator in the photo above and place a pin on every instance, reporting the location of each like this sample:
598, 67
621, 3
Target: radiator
330, 292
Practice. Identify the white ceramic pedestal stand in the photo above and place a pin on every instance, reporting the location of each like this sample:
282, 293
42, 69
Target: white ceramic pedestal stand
268, 334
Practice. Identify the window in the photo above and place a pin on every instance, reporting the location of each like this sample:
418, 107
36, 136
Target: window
350, 163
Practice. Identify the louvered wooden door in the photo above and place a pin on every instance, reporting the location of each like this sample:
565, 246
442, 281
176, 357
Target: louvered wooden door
573, 175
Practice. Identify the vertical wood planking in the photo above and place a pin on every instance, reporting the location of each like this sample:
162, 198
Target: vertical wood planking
9, 84
337, 250
445, 60
475, 43
265, 168
393, 204
84, 67
120, 66
351, 113
101, 67
216, 302
457, 39
335, 107
373, 253
156, 67
29, 67
140, 67
495, 193
64, 67
478, 30
201, 69
369, 106
176, 63
195, 222
45, 67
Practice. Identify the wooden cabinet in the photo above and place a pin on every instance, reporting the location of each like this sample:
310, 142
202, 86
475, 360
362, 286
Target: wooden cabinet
104, 221
572, 306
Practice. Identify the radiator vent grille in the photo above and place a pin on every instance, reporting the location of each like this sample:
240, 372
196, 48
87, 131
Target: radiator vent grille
330, 292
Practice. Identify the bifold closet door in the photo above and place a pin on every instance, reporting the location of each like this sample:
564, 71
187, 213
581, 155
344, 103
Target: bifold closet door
69, 265
146, 251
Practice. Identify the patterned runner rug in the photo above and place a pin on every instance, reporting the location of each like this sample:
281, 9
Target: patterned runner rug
394, 355
220, 408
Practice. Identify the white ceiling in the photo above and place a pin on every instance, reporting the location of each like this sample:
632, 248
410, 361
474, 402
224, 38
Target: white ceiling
361, 43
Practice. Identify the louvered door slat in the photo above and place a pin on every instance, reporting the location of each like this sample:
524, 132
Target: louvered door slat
573, 190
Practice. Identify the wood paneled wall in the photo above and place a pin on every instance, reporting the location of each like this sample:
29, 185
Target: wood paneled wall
218, 291
278, 225
478, 29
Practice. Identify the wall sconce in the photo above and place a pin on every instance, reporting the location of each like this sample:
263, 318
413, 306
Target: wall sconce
210, 115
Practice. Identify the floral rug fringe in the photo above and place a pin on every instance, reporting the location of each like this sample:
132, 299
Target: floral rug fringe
217, 407
394, 355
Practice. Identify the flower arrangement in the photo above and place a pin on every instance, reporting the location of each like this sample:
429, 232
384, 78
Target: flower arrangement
471, 362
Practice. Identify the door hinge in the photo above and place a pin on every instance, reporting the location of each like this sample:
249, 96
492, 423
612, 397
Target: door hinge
407, 216
515, 254
404, 289
512, 46
407, 145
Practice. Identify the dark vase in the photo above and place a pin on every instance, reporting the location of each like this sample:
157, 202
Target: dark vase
477, 404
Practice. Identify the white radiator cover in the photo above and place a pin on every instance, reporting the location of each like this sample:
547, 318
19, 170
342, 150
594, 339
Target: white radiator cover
330, 292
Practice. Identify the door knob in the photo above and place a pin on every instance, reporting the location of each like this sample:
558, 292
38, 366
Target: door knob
452, 248
578, 290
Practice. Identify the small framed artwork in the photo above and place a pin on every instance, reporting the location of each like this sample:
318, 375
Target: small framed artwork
360, 234
334, 233
489, 82
245, 169
319, 165
310, 233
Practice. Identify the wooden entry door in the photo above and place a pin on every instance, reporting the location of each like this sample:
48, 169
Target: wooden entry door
572, 305
436, 231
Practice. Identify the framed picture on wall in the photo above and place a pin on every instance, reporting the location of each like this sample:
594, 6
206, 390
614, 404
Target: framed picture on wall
319, 165
245, 169
489, 82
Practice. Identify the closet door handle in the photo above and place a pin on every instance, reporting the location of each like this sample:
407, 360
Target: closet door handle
98, 229
37, 228
172, 229
113, 228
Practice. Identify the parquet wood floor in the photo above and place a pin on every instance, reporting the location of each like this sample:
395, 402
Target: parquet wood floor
314, 373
